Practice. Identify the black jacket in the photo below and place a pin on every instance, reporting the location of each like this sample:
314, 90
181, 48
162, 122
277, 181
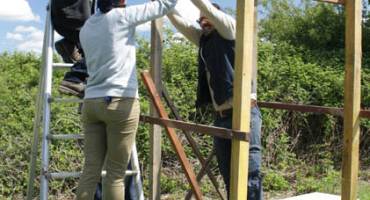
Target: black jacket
68, 16
217, 55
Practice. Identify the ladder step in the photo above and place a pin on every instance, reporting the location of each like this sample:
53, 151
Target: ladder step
63, 175
65, 137
62, 65
62, 100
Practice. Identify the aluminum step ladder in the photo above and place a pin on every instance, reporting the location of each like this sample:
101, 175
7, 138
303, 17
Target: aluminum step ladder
42, 127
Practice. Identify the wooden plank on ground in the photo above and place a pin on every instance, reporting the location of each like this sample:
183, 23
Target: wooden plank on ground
155, 97
156, 131
352, 99
242, 90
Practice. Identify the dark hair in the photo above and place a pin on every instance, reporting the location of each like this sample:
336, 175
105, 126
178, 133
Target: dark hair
216, 5
119, 3
105, 5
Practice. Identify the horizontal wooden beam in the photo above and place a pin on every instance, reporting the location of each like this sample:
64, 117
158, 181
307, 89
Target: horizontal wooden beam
197, 128
332, 1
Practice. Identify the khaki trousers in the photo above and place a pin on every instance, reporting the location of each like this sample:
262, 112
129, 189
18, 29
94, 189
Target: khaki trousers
109, 129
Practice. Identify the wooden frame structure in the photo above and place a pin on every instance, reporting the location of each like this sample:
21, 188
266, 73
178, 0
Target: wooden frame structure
245, 53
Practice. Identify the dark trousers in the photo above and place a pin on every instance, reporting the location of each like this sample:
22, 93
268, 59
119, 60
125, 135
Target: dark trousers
223, 154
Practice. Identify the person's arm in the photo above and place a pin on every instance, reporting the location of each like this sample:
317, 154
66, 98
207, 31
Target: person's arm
189, 30
223, 23
139, 14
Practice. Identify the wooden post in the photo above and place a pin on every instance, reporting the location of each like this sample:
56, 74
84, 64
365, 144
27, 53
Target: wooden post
352, 99
242, 96
156, 131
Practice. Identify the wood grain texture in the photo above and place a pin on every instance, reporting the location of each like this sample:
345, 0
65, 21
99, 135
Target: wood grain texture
155, 130
352, 99
242, 90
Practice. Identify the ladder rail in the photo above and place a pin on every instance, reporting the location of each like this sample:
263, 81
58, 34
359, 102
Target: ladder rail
39, 107
48, 59
138, 187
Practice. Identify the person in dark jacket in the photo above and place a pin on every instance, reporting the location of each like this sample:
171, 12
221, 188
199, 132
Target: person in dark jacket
216, 41
67, 17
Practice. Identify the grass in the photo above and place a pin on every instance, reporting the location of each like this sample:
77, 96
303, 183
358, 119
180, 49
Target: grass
364, 190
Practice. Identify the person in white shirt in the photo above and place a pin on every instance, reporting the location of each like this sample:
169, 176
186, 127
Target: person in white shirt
216, 41
110, 112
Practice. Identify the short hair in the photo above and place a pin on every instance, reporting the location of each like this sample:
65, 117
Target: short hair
216, 5
107, 5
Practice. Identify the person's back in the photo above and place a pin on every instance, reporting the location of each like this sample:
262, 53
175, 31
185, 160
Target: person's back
111, 109
109, 44
110, 49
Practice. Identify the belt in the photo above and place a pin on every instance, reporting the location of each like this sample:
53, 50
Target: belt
229, 112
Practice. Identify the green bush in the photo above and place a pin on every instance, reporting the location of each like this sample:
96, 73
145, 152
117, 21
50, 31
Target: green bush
293, 143
275, 181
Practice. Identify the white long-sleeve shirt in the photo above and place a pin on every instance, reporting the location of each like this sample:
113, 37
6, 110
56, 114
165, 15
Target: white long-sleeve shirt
108, 41
225, 26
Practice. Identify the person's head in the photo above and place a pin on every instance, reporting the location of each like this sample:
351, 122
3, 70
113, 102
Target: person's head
204, 22
107, 5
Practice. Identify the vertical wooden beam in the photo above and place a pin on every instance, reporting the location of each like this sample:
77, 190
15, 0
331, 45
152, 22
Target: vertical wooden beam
242, 90
352, 99
156, 131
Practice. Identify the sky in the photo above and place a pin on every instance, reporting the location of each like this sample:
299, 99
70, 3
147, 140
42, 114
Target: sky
22, 22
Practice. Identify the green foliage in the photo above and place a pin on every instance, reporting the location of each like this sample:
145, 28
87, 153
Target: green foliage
312, 25
300, 59
364, 191
170, 185
18, 78
274, 181
328, 182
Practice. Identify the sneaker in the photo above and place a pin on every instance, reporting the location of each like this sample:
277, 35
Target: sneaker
68, 51
72, 88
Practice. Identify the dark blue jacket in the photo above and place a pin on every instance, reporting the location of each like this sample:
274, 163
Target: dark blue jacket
68, 16
217, 55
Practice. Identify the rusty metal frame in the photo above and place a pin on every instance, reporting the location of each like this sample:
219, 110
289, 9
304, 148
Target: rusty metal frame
197, 128
193, 144
310, 109
171, 133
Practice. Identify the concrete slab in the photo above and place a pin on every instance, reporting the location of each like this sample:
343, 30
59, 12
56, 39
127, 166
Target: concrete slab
315, 196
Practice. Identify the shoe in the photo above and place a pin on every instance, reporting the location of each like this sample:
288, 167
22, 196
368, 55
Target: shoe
72, 88
68, 51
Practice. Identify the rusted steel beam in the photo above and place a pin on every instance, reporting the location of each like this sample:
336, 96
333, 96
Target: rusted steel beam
193, 145
202, 172
197, 128
155, 97
310, 109
365, 114
332, 1
302, 108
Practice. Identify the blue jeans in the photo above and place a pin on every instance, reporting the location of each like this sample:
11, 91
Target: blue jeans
223, 154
